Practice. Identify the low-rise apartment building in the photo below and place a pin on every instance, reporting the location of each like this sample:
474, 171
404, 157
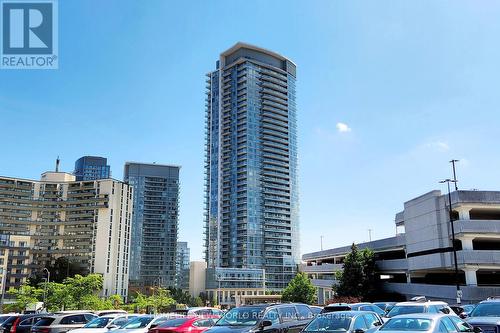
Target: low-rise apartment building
419, 259
86, 222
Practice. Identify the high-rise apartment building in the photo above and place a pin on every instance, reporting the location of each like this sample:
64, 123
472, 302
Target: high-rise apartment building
252, 219
92, 168
155, 224
182, 269
86, 222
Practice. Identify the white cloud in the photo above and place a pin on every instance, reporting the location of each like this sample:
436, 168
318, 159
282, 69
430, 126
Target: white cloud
343, 128
439, 146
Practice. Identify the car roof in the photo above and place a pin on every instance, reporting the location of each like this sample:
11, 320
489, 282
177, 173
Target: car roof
421, 303
353, 313
423, 315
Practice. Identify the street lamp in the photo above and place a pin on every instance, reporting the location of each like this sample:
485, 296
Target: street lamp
450, 211
4, 280
45, 288
219, 296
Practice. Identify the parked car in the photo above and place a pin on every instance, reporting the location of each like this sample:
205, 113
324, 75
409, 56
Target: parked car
62, 323
427, 322
5, 317
420, 307
486, 315
109, 312
316, 310
335, 307
143, 323
19, 323
193, 324
367, 307
344, 321
291, 318
105, 323
201, 311
386, 306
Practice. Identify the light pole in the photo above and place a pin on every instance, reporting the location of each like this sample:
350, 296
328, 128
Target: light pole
218, 290
4, 280
454, 173
45, 289
450, 211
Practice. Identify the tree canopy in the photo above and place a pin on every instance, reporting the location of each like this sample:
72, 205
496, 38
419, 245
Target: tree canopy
357, 279
300, 290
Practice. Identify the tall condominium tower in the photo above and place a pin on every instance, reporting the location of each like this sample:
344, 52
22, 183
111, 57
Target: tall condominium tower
154, 224
92, 168
252, 219
86, 223
183, 255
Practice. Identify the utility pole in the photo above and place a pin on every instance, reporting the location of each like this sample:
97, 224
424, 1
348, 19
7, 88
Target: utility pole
370, 234
321, 239
454, 174
450, 212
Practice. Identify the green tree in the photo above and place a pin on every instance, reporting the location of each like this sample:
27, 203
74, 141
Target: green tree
26, 295
161, 301
357, 278
300, 290
369, 278
81, 288
197, 301
116, 301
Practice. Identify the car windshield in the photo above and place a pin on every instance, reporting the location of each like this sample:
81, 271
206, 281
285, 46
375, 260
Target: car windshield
245, 316
174, 322
139, 322
330, 322
486, 310
98, 323
3, 318
407, 324
405, 309
468, 307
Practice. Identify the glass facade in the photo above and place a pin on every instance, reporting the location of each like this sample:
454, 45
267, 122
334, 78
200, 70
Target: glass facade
92, 168
183, 254
251, 165
153, 250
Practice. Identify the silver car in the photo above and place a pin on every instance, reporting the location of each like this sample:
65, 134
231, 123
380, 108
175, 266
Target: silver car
62, 323
427, 322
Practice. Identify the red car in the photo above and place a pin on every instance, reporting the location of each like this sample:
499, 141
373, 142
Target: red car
185, 324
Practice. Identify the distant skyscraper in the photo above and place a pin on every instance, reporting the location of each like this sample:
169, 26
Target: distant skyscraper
153, 248
91, 168
183, 253
252, 219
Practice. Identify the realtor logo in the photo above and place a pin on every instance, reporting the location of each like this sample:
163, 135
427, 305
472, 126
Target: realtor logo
29, 34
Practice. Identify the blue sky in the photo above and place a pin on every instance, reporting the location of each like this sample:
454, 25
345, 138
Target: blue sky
414, 83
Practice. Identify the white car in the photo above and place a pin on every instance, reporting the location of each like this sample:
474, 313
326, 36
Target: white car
143, 323
105, 323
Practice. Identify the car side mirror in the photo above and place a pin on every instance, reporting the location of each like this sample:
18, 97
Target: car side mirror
477, 329
265, 323
153, 326
463, 315
377, 323
112, 327
359, 330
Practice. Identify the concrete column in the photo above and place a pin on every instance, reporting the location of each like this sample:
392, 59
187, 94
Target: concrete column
470, 276
408, 277
467, 243
463, 213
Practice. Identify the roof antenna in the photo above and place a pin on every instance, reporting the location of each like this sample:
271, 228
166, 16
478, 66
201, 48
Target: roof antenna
57, 163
